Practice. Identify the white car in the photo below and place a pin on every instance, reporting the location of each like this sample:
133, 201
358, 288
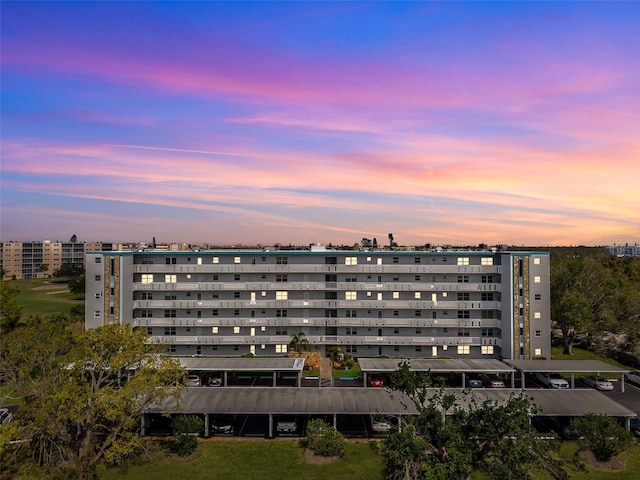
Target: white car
380, 424
599, 383
551, 380
633, 376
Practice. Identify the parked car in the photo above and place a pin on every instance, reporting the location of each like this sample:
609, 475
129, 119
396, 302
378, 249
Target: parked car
633, 376
193, 381
214, 382
492, 381
474, 381
375, 380
551, 380
599, 383
380, 423
222, 426
286, 425
5, 416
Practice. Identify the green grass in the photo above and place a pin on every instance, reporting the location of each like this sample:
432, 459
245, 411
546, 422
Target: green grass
263, 459
36, 297
352, 372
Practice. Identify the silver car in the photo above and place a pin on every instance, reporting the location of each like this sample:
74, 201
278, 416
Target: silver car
380, 423
633, 376
599, 383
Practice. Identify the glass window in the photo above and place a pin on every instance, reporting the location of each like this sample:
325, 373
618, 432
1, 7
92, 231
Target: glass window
463, 260
396, 295
170, 278
486, 261
487, 350
350, 295
463, 349
536, 260
282, 295
417, 295
147, 278
350, 260
216, 260
236, 329
536, 279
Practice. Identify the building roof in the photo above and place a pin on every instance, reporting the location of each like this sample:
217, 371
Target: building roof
238, 364
571, 366
435, 365
265, 400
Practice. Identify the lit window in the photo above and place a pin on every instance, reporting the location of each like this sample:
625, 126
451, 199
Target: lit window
537, 352
379, 261
236, 259
463, 260
170, 278
263, 346
282, 295
214, 329
281, 348
368, 259
350, 295
537, 315
536, 279
236, 329
396, 295
536, 260
263, 328
199, 261
147, 278
368, 294
263, 294
216, 260
486, 261
444, 294
417, 295
486, 349
463, 349
350, 260
379, 296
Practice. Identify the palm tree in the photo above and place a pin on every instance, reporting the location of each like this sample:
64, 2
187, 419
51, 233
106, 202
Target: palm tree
334, 353
299, 343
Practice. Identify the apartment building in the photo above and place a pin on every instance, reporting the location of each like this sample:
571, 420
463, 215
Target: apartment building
447, 304
25, 260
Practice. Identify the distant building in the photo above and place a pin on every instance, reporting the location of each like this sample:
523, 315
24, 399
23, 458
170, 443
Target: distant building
625, 250
26, 260
454, 304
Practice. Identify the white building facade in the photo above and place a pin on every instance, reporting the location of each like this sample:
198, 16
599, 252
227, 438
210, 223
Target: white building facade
421, 304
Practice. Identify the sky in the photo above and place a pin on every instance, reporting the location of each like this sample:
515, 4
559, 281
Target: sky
459, 123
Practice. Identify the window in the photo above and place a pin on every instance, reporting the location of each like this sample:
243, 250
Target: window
147, 296
463, 260
98, 278
170, 278
538, 333
170, 296
379, 261
330, 295
263, 328
417, 295
537, 315
350, 260
97, 296
97, 260
486, 314
463, 278
170, 313
351, 313
396, 278
486, 296
351, 348
215, 277
199, 261
536, 260
487, 278
215, 260
214, 330
463, 349
172, 349
281, 313
282, 295
463, 296
350, 295
351, 331
396, 313
396, 295
282, 278
282, 260
170, 261
236, 313
396, 348
236, 294
169, 330
236, 278
463, 332
214, 313
537, 296
96, 314
486, 261
236, 329
417, 278
418, 313
486, 349
418, 348
396, 330
236, 259
487, 332
281, 348
281, 330
416, 260
536, 279
396, 260
146, 313
147, 278
351, 279
331, 260
463, 313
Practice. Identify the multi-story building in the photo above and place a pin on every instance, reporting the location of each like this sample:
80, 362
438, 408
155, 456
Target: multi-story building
25, 260
625, 250
458, 304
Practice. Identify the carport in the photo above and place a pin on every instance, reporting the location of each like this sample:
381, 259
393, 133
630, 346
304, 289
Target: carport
571, 366
272, 366
437, 365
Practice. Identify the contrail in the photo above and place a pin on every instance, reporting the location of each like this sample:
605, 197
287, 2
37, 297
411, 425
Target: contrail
206, 152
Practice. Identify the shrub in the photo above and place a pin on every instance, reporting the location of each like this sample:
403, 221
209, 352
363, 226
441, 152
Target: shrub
602, 435
323, 439
186, 429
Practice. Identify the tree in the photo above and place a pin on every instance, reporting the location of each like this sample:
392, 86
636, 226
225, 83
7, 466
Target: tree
10, 311
324, 439
601, 434
446, 440
334, 353
85, 395
77, 284
186, 429
74, 238
366, 242
299, 342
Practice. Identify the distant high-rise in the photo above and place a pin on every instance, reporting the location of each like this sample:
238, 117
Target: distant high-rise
460, 304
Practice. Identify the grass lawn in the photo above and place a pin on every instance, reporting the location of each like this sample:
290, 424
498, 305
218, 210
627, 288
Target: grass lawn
40, 296
352, 372
263, 459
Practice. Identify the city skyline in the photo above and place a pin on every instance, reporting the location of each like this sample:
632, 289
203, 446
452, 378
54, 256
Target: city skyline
262, 123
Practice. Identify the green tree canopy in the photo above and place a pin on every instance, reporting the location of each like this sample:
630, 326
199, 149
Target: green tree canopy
10, 311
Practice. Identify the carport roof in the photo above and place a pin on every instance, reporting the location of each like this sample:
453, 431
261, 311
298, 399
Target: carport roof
571, 366
436, 365
261, 400
237, 364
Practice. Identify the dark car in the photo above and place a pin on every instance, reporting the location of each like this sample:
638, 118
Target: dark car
492, 381
474, 381
375, 380
222, 426
214, 382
